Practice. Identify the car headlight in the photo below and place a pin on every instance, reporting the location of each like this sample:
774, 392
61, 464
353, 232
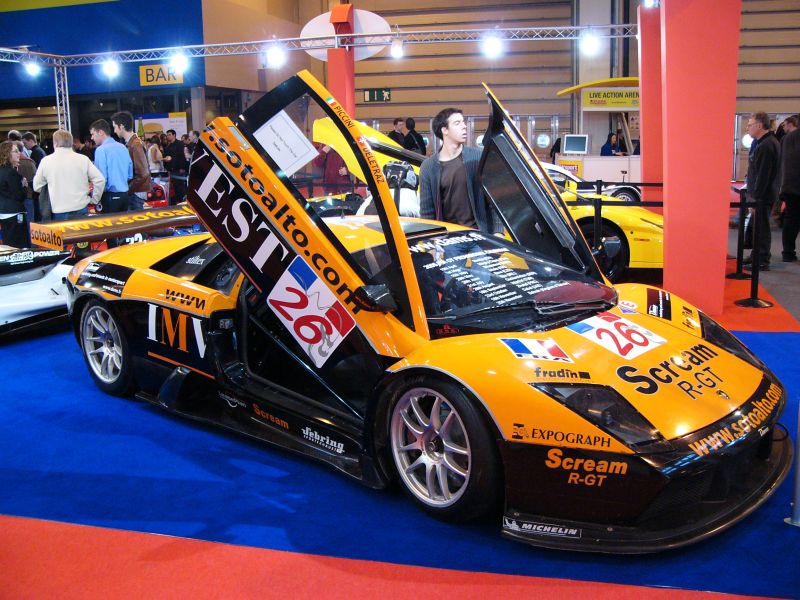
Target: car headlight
719, 336
606, 409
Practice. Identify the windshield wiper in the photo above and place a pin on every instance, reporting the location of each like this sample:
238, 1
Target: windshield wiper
555, 308
531, 304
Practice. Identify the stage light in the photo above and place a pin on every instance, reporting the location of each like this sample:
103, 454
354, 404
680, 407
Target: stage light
397, 50
110, 68
589, 43
179, 63
747, 140
492, 46
32, 68
276, 56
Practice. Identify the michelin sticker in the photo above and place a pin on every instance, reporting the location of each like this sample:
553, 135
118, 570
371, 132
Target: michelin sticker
618, 335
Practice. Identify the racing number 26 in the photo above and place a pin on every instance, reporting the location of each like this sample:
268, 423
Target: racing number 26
630, 337
309, 327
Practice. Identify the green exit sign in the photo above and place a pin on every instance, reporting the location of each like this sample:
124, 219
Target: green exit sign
378, 95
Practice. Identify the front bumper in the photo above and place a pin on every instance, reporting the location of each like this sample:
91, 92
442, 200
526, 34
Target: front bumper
686, 524
606, 502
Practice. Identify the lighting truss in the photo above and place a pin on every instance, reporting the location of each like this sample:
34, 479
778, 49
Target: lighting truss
60, 63
441, 36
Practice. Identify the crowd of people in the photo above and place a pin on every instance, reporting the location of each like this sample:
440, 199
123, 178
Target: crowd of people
411, 139
110, 169
115, 176
773, 183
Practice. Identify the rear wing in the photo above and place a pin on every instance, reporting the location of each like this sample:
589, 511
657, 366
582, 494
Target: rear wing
59, 234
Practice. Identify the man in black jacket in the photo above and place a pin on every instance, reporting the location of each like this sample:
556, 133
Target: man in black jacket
762, 182
413, 140
175, 162
33, 147
790, 186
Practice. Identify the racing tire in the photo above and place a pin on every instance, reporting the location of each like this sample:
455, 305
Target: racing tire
627, 195
443, 450
105, 349
613, 268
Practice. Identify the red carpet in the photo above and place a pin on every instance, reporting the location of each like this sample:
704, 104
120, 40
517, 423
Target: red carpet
736, 318
45, 559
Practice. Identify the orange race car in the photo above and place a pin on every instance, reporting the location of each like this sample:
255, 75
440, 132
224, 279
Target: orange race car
488, 375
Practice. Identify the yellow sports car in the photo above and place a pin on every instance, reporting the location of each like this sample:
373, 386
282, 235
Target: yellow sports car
639, 231
487, 376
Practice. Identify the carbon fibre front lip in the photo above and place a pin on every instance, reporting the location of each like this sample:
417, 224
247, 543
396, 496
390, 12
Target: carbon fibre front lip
668, 534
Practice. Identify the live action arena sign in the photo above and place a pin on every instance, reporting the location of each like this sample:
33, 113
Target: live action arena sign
610, 99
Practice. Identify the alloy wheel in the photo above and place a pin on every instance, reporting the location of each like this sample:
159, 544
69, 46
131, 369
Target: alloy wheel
430, 447
102, 344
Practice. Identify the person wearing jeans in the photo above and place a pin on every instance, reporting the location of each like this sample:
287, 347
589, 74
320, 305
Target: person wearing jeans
67, 176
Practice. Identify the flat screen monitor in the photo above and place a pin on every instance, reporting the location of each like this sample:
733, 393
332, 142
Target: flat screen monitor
576, 144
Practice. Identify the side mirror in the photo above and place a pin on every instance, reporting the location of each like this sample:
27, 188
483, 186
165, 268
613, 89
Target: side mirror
375, 298
570, 185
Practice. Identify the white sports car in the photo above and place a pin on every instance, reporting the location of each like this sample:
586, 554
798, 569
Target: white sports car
560, 175
32, 286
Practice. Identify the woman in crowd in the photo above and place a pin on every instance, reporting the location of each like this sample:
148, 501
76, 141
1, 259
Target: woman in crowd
155, 159
611, 147
12, 197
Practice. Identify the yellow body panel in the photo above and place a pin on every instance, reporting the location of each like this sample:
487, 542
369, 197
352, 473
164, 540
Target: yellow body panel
689, 374
643, 228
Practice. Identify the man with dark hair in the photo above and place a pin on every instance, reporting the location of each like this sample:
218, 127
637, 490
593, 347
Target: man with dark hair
414, 141
175, 162
27, 168
762, 182
194, 137
140, 184
396, 133
449, 187
114, 163
34, 149
790, 186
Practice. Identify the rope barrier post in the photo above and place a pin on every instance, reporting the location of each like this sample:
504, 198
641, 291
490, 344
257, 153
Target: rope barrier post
597, 229
795, 518
740, 274
754, 301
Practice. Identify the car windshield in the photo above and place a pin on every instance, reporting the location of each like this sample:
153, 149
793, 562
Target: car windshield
485, 282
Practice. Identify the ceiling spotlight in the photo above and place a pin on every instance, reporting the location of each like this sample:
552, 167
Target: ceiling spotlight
179, 63
492, 46
32, 68
650, 3
397, 50
589, 43
276, 56
110, 68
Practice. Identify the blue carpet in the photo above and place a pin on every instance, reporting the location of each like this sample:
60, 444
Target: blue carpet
71, 453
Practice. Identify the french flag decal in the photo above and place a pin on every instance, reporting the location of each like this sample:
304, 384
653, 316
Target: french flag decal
536, 349
310, 311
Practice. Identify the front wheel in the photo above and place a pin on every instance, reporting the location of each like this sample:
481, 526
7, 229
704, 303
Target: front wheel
105, 349
612, 267
627, 195
443, 450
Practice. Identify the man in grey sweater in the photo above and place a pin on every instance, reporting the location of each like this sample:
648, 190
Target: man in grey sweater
449, 187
